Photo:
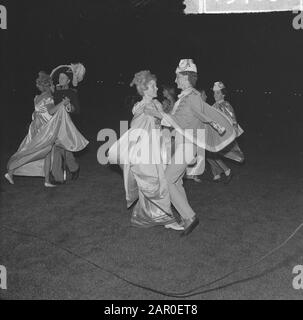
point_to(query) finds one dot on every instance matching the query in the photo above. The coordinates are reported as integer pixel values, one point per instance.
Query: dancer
(233, 151)
(49, 124)
(140, 153)
(190, 112)
(65, 164)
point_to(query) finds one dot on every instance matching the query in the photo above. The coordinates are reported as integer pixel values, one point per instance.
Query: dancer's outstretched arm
(198, 109)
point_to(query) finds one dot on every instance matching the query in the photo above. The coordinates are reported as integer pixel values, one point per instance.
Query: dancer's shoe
(49, 185)
(174, 226)
(189, 226)
(228, 178)
(192, 177)
(75, 174)
(9, 178)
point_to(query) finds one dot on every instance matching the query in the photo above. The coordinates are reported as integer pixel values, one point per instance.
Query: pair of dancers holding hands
(159, 185)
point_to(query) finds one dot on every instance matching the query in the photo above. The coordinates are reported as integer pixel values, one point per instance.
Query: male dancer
(59, 154)
(190, 112)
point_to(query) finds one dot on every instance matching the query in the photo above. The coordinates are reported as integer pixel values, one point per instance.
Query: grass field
(239, 222)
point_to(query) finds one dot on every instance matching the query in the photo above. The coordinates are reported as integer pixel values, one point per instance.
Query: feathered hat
(75, 72)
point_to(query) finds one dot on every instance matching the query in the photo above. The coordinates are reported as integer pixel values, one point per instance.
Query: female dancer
(233, 151)
(140, 152)
(49, 127)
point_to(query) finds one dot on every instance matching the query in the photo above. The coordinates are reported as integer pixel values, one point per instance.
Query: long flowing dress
(141, 152)
(45, 131)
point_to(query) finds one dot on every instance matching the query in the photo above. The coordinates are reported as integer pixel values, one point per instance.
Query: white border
(202, 9)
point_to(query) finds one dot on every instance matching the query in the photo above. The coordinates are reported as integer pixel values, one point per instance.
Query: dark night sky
(114, 40)
(112, 37)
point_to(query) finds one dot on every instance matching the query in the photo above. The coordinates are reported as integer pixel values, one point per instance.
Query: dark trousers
(62, 159)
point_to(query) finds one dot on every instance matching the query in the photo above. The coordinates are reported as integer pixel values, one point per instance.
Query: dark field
(239, 222)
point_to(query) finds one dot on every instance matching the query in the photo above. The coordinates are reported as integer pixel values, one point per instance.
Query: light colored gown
(44, 131)
(144, 181)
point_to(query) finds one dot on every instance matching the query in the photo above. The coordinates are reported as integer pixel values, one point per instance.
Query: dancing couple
(158, 185)
(51, 132)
